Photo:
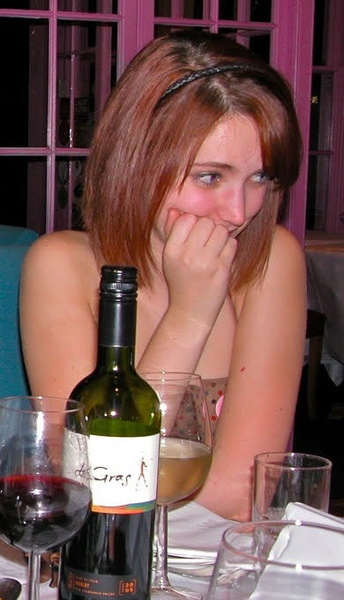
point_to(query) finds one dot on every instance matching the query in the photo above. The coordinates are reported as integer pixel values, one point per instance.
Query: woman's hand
(197, 261)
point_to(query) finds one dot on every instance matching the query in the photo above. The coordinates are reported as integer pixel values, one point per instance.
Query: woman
(189, 166)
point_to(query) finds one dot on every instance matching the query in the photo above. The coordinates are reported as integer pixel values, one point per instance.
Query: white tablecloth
(325, 275)
(13, 564)
(193, 531)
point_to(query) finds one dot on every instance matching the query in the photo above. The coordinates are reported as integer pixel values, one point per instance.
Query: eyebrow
(219, 165)
(216, 165)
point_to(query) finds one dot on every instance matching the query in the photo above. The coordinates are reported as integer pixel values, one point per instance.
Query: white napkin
(194, 535)
(321, 548)
(297, 510)
(12, 562)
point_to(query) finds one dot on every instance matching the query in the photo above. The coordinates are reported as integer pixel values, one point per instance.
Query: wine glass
(185, 458)
(44, 476)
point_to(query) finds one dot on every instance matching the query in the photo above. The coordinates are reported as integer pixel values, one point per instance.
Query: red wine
(41, 511)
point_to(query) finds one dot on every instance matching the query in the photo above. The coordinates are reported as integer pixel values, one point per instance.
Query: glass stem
(34, 575)
(161, 580)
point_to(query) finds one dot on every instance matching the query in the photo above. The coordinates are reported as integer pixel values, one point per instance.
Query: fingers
(172, 215)
(197, 233)
(179, 226)
(197, 260)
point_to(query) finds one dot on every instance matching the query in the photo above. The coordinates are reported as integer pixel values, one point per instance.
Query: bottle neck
(116, 332)
(115, 358)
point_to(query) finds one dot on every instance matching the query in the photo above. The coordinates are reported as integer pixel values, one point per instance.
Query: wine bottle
(112, 554)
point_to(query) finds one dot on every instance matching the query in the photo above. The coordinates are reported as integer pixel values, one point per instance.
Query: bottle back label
(94, 587)
(124, 472)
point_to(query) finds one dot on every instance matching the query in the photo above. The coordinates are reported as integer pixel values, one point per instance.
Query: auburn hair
(146, 142)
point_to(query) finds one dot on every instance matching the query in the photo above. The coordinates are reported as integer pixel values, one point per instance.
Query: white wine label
(124, 473)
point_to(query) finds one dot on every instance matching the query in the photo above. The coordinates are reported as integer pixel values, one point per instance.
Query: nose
(231, 207)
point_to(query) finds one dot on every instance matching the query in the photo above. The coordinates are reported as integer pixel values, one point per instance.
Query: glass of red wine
(44, 476)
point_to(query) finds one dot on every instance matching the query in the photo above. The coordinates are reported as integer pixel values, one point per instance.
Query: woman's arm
(263, 383)
(58, 284)
(196, 264)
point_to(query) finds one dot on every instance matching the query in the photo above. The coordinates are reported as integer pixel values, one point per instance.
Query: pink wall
(291, 30)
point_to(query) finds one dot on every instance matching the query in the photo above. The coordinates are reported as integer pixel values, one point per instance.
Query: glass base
(174, 593)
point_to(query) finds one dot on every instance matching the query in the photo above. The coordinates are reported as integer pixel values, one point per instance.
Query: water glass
(284, 477)
(279, 560)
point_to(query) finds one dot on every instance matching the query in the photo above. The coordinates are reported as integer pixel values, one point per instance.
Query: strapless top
(214, 390)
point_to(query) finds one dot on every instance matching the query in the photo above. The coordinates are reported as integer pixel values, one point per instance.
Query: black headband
(202, 73)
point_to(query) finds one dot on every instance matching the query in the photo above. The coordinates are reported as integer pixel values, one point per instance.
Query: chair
(315, 335)
(14, 243)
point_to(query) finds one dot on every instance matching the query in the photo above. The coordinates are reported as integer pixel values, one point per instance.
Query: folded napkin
(14, 564)
(194, 535)
(319, 547)
(297, 510)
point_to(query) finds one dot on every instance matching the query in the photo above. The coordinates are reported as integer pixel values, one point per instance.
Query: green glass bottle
(112, 554)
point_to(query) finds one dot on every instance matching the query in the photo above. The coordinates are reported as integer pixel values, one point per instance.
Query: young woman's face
(226, 182)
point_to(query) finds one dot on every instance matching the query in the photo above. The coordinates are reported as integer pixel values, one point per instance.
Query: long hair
(146, 141)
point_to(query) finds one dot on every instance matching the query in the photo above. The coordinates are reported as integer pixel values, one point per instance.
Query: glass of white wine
(185, 458)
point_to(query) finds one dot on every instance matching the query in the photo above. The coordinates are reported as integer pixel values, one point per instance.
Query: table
(192, 527)
(325, 279)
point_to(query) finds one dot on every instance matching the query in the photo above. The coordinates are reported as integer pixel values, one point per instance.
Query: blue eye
(260, 177)
(208, 178)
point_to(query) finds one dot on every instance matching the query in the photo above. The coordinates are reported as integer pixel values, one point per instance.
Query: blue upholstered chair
(14, 243)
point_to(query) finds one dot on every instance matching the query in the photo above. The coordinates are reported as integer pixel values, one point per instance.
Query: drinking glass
(283, 477)
(185, 458)
(279, 560)
(44, 476)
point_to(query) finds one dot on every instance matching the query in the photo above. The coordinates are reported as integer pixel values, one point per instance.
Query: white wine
(111, 556)
(183, 467)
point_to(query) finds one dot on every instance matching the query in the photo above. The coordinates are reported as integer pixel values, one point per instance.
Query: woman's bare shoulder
(62, 262)
(69, 250)
(285, 269)
(286, 264)
(60, 244)
(285, 242)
